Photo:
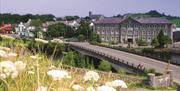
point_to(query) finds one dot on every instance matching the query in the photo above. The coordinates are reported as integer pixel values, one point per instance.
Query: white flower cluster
(42, 88)
(10, 69)
(58, 74)
(57, 41)
(77, 88)
(41, 40)
(117, 83)
(7, 37)
(4, 48)
(5, 54)
(91, 76)
(105, 88)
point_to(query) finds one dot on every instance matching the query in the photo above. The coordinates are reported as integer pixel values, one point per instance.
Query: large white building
(127, 30)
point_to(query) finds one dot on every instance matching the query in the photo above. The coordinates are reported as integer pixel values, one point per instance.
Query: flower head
(91, 75)
(5, 48)
(105, 88)
(8, 69)
(58, 74)
(41, 40)
(42, 88)
(20, 66)
(77, 88)
(117, 83)
(90, 89)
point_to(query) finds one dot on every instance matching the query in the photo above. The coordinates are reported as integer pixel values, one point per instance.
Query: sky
(82, 7)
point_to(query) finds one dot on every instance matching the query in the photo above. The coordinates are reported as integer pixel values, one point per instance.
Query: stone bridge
(126, 60)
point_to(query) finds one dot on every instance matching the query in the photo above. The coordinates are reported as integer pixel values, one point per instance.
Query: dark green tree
(141, 42)
(155, 42)
(104, 66)
(95, 38)
(81, 37)
(163, 39)
(84, 29)
(60, 29)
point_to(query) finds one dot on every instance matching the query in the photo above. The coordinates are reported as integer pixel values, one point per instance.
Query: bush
(81, 37)
(104, 66)
(141, 42)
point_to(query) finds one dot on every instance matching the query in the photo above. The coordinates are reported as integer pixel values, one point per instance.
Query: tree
(104, 66)
(141, 42)
(95, 38)
(163, 39)
(155, 42)
(84, 29)
(81, 37)
(60, 29)
(36, 23)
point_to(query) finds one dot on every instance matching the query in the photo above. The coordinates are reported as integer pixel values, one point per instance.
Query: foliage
(81, 37)
(155, 42)
(105, 66)
(36, 23)
(70, 18)
(84, 29)
(16, 18)
(163, 39)
(69, 59)
(96, 38)
(176, 21)
(141, 42)
(60, 29)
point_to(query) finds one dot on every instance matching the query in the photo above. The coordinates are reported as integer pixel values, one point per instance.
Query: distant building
(127, 30)
(95, 17)
(5, 28)
(176, 35)
(25, 30)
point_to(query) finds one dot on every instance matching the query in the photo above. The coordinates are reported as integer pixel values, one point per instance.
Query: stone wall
(163, 80)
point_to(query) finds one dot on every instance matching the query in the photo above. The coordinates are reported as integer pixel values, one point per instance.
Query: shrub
(104, 66)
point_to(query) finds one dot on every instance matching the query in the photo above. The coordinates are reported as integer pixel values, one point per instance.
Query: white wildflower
(20, 66)
(105, 88)
(58, 74)
(7, 37)
(77, 88)
(90, 89)
(33, 57)
(31, 72)
(56, 40)
(5, 48)
(42, 88)
(7, 69)
(41, 40)
(2, 53)
(91, 75)
(117, 83)
(11, 55)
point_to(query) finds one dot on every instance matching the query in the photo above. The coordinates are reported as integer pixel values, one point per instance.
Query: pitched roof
(153, 20)
(109, 20)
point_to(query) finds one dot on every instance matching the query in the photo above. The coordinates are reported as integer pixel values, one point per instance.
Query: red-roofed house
(5, 28)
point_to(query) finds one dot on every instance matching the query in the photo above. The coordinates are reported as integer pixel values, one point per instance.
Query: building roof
(153, 20)
(98, 16)
(109, 20)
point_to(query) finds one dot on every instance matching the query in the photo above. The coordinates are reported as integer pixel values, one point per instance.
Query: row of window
(131, 32)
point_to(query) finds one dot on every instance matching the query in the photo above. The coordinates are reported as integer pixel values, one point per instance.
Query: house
(5, 28)
(25, 29)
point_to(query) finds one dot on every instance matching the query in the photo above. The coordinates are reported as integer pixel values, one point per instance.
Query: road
(148, 63)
